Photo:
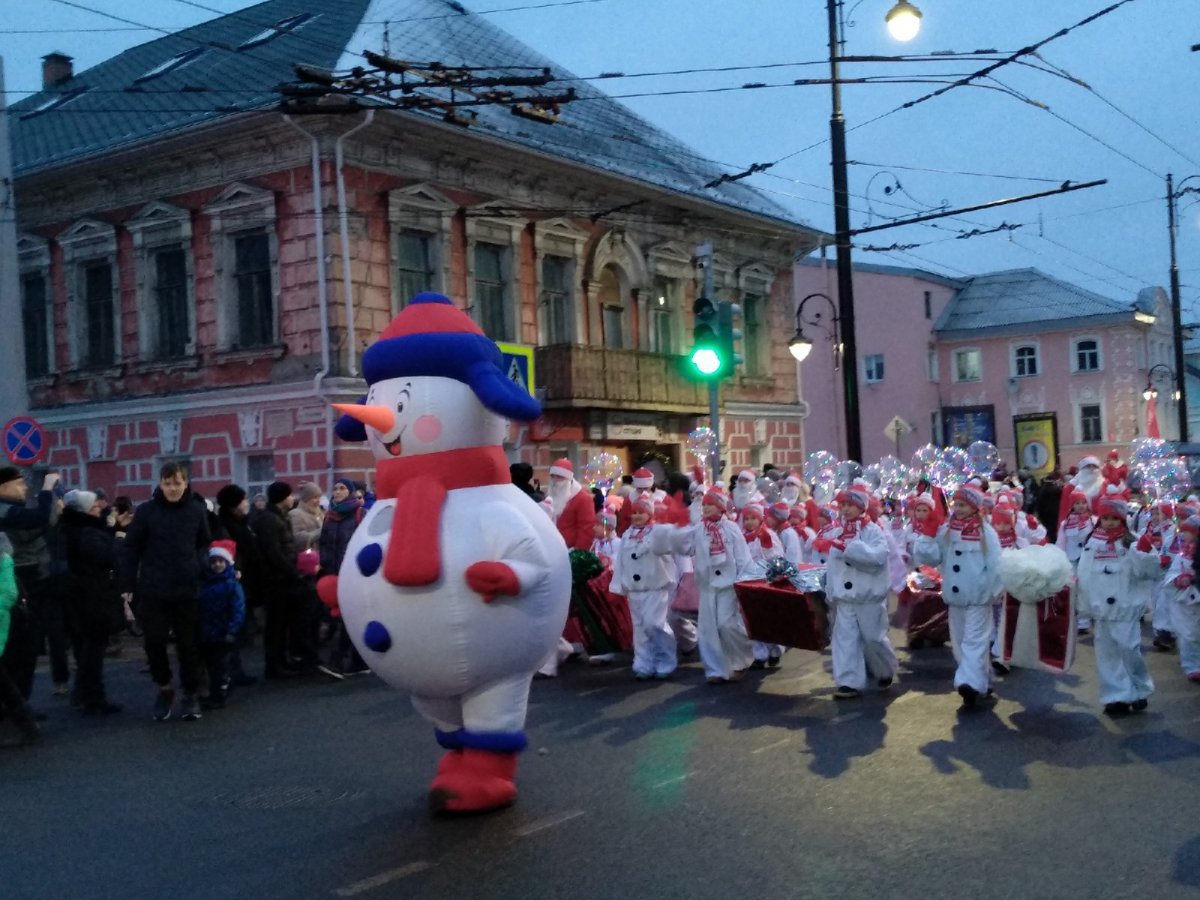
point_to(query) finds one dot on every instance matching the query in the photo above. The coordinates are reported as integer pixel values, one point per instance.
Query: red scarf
(716, 538)
(762, 533)
(1077, 521)
(1111, 537)
(850, 528)
(968, 529)
(1007, 538)
(420, 484)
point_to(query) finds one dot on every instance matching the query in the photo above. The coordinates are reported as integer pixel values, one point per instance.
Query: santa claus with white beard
(1087, 479)
(745, 491)
(572, 508)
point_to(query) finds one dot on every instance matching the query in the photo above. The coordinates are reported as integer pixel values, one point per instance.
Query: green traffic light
(706, 360)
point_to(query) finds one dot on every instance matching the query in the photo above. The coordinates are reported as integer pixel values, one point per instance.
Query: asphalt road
(764, 789)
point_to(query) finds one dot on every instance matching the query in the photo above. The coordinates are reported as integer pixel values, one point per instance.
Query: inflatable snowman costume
(455, 585)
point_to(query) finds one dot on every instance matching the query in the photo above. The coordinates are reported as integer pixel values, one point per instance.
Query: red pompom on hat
(643, 479)
(1113, 454)
(925, 500)
(781, 512)
(225, 550)
(563, 468)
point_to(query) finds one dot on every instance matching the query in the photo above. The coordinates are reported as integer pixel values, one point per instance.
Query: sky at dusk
(1111, 99)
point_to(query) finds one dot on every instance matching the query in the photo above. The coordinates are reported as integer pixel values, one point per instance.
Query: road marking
(369, 884)
(548, 823)
(786, 740)
(675, 780)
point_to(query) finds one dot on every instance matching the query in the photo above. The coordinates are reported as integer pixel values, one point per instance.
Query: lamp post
(800, 346)
(1174, 194)
(903, 21)
(1150, 395)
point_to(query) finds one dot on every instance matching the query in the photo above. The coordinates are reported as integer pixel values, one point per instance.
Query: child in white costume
(778, 520)
(1004, 520)
(967, 552)
(856, 583)
(798, 519)
(721, 559)
(605, 541)
(1160, 529)
(1072, 532)
(644, 571)
(1183, 594)
(1114, 583)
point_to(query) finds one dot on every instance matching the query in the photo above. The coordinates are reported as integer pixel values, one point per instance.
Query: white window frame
(868, 374)
(160, 226)
(1014, 361)
(1078, 416)
(238, 210)
(933, 365)
(86, 242)
(1075, 342)
(756, 279)
(504, 232)
(33, 258)
(420, 207)
(672, 261)
(562, 238)
(954, 355)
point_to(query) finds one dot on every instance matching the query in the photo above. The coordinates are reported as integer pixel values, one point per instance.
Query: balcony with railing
(579, 376)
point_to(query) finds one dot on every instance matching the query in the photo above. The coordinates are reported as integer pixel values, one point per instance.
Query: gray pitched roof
(120, 103)
(1019, 299)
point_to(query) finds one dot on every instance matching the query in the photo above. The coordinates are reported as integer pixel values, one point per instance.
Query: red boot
(478, 781)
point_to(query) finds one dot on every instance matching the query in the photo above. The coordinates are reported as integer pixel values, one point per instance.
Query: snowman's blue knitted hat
(431, 336)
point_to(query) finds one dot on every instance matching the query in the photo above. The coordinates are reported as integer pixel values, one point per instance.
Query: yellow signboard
(1037, 443)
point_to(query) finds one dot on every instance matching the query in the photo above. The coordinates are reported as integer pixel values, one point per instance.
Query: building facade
(200, 285)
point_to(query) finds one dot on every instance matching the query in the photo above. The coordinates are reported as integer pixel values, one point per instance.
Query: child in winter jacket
(1183, 595)
(644, 571)
(1114, 583)
(856, 584)
(222, 612)
(1072, 533)
(12, 704)
(967, 552)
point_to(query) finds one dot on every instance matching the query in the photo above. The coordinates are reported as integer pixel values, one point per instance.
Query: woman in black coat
(345, 512)
(93, 603)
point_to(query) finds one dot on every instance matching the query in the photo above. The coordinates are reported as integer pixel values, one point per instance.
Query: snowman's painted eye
(401, 399)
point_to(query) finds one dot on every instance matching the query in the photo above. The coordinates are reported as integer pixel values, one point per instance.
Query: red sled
(780, 614)
(1039, 635)
(928, 620)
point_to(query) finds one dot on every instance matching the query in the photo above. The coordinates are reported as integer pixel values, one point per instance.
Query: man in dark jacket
(165, 554)
(278, 579)
(27, 528)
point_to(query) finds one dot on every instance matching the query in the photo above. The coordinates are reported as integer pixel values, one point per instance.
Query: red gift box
(1039, 635)
(780, 614)
(928, 622)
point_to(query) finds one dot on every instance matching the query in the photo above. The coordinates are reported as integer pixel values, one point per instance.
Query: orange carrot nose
(380, 418)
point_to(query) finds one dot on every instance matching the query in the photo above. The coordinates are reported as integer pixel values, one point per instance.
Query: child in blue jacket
(222, 612)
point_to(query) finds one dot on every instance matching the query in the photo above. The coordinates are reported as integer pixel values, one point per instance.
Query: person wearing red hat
(641, 484)
(644, 572)
(1114, 581)
(721, 558)
(856, 583)
(222, 613)
(967, 552)
(574, 511)
(1073, 530)
(764, 545)
(1160, 529)
(745, 491)
(779, 520)
(1183, 595)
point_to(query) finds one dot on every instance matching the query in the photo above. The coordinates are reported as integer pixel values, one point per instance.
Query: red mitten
(1032, 521)
(822, 545)
(838, 545)
(1185, 580)
(327, 591)
(676, 514)
(1164, 561)
(1144, 544)
(491, 579)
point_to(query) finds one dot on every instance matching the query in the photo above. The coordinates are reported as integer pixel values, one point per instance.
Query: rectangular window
(260, 472)
(491, 291)
(171, 297)
(37, 325)
(1087, 356)
(252, 278)
(414, 268)
(754, 320)
(967, 365)
(99, 340)
(1090, 426)
(931, 363)
(614, 333)
(873, 368)
(664, 301)
(928, 305)
(556, 295)
(1025, 361)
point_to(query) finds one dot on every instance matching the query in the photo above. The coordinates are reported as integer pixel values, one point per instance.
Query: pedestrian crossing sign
(517, 362)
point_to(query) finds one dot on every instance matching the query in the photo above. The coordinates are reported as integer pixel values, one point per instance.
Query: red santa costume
(574, 509)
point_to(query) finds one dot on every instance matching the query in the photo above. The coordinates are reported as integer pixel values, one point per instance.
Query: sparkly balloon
(952, 469)
(769, 489)
(873, 476)
(847, 471)
(701, 442)
(1144, 449)
(924, 459)
(602, 470)
(818, 462)
(984, 457)
(1175, 480)
(824, 487)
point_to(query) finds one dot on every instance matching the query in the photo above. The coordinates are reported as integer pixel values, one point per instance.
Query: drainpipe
(322, 295)
(343, 222)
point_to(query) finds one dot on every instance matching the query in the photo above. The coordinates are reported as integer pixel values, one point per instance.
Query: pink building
(1045, 370)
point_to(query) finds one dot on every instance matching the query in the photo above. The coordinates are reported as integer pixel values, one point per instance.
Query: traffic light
(728, 334)
(706, 358)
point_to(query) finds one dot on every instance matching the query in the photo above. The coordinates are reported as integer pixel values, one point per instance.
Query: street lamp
(1151, 391)
(1174, 194)
(800, 346)
(905, 19)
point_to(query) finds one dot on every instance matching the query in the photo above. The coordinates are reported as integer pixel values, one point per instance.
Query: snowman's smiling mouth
(394, 447)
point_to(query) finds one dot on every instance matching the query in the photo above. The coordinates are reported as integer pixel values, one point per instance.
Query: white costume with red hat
(856, 584)
(574, 508)
(1183, 594)
(644, 572)
(1113, 589)
(454, 586)
(967, 552)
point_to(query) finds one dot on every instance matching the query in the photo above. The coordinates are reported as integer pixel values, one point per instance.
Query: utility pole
(1177, 316)
(14, 396)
